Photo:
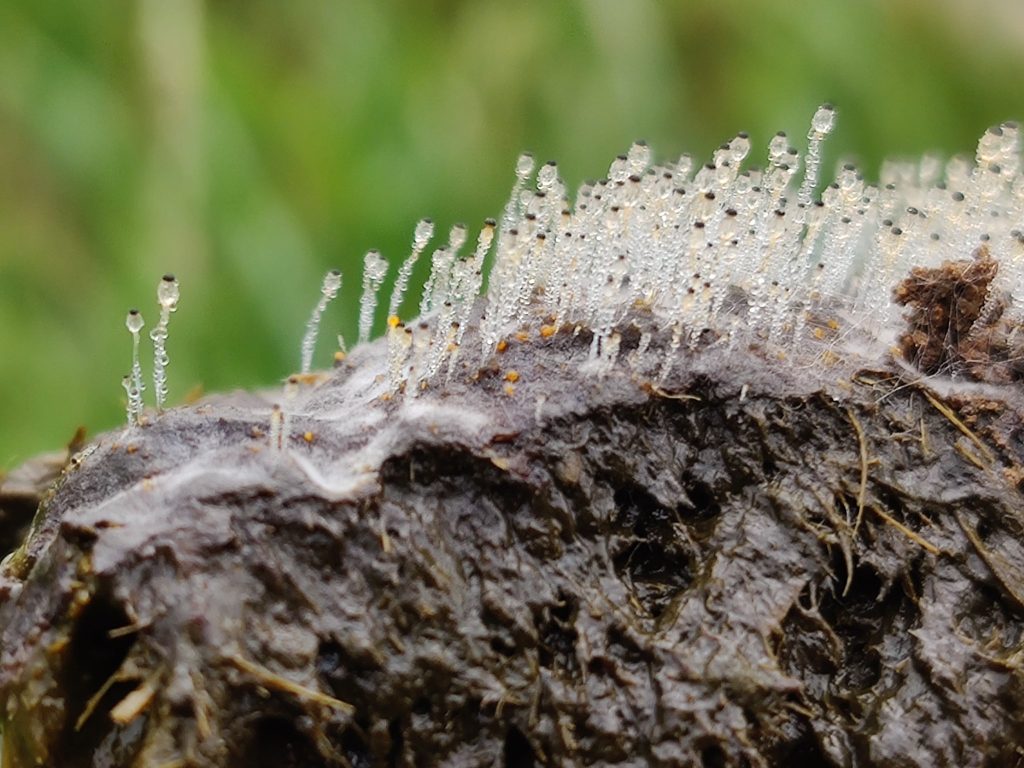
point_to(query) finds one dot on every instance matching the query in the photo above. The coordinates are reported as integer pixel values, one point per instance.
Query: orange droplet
(309, 379)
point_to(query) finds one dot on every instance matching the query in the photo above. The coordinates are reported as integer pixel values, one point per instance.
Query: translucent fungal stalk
(513, 209)
(483, 245)
(440, 263)
(822, 124)
(399, 343)
(329, 289)
(167, 296)
(374, 270)
(126, 382)
(424, 231)
(291, 392)
(656, 263)
(443, 283)
(468, 287)
(134, 385)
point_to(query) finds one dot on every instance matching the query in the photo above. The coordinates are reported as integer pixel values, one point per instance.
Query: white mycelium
(678, 252)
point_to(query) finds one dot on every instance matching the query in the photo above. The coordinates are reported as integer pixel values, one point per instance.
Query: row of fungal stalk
(677, 249)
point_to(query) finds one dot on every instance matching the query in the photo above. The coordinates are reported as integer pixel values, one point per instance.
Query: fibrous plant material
(684, 498)
(956, 323)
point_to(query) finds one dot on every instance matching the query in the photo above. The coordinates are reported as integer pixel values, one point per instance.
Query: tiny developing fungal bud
(547, 176)
(291, 392)
(824, 120)
(167, 293)
(524, 166)
(513, 210)
(457, 238)
(638, 157)
(399, 343)
(167, 296)
(374, 270)
(329, 289)
(777, 147)
(276, 428)
(134, 321)
(483, 244)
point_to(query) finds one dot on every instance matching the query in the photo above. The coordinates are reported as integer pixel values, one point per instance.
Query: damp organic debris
(712, 472)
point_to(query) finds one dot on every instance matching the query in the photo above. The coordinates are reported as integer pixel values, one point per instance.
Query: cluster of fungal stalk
(167, 294)
(679, 249)
(674, 251)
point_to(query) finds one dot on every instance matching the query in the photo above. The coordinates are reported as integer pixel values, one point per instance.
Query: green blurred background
(249, 146)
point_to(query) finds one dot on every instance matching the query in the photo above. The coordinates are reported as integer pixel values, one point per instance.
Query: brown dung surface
(749, 564)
